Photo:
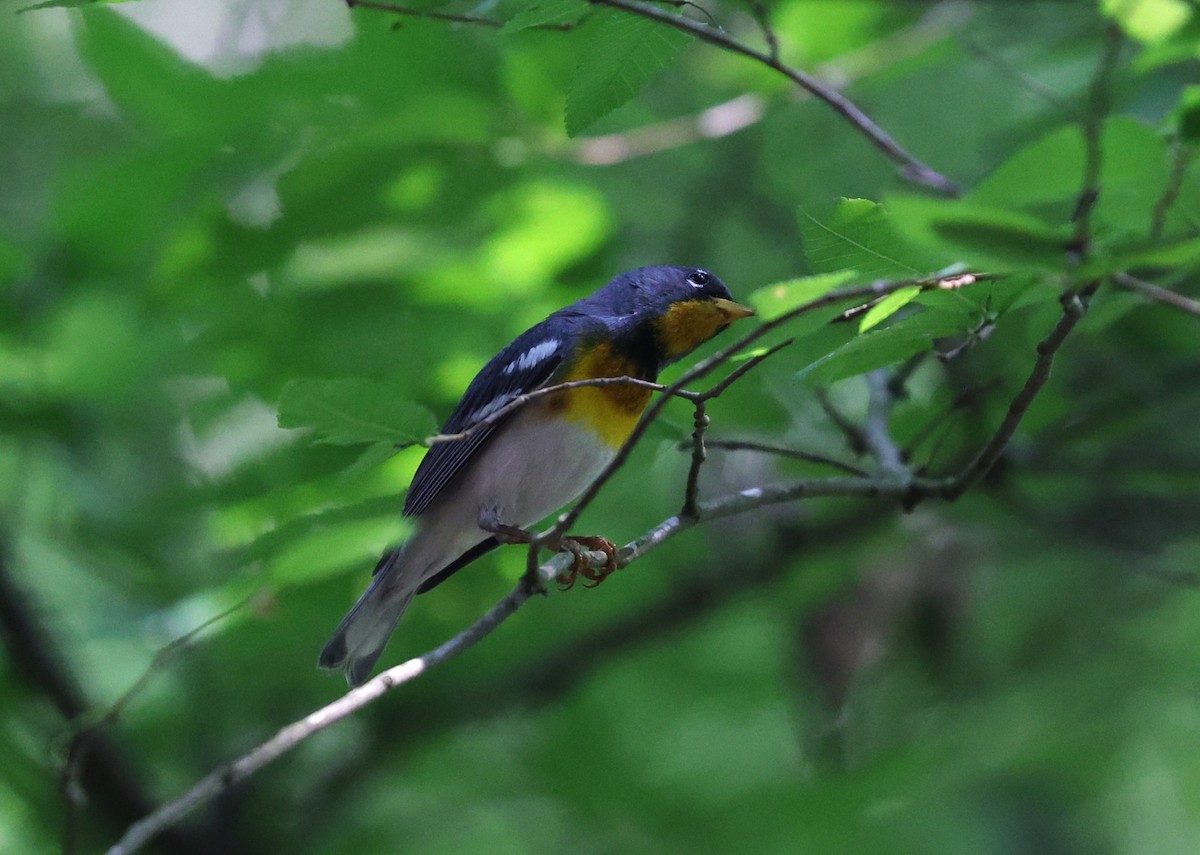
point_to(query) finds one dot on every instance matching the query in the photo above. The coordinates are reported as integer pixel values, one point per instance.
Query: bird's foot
(579, 546)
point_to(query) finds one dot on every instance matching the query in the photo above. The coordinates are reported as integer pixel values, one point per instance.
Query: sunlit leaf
(859, 235)
(774, 300)
(888, 306)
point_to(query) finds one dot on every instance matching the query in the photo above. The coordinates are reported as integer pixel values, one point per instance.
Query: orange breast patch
(609, 411)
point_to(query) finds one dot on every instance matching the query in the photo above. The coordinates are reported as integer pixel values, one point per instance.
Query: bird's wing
(523, 366)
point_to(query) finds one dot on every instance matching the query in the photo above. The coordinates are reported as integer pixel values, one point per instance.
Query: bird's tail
(363, 634)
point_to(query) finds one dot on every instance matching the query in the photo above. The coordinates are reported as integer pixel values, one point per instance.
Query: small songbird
(513, 472)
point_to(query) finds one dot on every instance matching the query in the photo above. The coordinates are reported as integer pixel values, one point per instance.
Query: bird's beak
(735, 311)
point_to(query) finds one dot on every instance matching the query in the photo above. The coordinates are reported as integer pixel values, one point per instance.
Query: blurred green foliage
(218, 219)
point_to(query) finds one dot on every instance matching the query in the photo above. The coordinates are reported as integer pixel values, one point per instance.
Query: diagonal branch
(1074, 308)
(1157, 292)
(876, 433)
(706, 366)
(911, 168)
(229, 774)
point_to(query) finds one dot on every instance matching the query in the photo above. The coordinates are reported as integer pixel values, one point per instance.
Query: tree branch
(749, 499)
(911, 168)
(1074, 308)
(1181, 157)
(701, 423)
(875, 433)
(1157, 292)
(796, 454)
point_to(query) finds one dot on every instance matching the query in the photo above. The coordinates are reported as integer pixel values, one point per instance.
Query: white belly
(530, 469)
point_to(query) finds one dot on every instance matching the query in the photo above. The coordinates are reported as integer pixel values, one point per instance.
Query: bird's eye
(698, 279)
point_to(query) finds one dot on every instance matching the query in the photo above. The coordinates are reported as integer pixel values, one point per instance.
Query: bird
(501, 476)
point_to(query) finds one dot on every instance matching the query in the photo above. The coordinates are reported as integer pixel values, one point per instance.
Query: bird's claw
(579, 546)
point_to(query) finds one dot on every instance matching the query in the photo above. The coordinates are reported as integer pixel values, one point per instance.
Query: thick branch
(876, 433)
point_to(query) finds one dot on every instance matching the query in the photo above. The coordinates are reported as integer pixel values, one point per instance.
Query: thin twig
(1181, 156)
(852, 433)
(749, 499)
(912, 168)
(1157, 292)
(898, 382)
(1074, 308)
(229, 774)
(1099, 103)
(701, 422)
(741, 371)
(706, 366)
(763, 18)
(780, 451)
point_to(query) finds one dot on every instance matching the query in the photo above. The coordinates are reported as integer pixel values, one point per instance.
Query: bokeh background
(202, 202)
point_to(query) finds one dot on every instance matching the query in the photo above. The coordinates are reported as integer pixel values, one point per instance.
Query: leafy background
(222, 218)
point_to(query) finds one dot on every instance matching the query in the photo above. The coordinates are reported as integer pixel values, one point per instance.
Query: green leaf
(1048, 170)
(992, 239)
(888, 306)
(546, 12)
(348, 412)
(1186, 115)
(880, 348)
(774, 300)
(1184, 254)
(149, 80)
(860, 235)
(622, 55)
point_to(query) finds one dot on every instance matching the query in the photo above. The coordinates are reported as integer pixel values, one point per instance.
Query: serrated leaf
(549, 12)
(774, 300)
(880, 348)
(859, 235)
(888, 306)
(352, 411)
(622, 55)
